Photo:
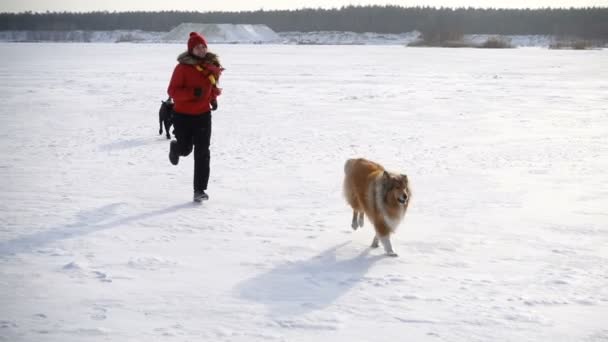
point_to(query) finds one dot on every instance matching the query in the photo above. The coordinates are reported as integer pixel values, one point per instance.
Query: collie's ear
(404, 177)
(386, 178)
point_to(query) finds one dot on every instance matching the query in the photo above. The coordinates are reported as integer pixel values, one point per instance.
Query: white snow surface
(506, 238)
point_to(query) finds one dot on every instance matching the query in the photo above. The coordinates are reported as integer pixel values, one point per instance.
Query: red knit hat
(194, 40)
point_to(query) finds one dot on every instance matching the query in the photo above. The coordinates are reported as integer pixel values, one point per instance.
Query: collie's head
(397, 190)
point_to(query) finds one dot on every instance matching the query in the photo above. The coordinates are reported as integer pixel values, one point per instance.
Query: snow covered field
(506, 238)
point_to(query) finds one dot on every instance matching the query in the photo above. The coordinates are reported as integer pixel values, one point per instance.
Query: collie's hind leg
(354, 224)
(388, 247)
(360, 220)
(375, 242)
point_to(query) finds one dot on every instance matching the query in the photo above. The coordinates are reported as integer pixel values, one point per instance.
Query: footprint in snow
(102, 276)
(99, 314)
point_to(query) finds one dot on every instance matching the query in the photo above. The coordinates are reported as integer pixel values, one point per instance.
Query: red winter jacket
(191, 73)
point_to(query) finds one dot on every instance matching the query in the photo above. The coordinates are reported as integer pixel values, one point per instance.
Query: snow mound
(348, 38)
(515, 40)
(74, 265)
(116, 36)
(223, 33)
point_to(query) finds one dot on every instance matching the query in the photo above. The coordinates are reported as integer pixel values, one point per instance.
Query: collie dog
(381, 195)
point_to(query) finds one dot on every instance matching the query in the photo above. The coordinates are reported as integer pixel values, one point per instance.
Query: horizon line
(310, 8)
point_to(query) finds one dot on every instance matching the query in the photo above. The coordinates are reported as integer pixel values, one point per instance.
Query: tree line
(589, 22)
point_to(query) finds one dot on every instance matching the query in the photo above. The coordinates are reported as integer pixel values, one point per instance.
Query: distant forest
(582, 22)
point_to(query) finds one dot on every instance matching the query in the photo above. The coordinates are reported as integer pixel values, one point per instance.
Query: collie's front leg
(388, 247)
(360, 221)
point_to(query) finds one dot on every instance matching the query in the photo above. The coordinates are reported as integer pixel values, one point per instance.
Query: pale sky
(245, 5)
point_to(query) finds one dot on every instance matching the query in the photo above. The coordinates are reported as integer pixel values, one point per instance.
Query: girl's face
(200, 50)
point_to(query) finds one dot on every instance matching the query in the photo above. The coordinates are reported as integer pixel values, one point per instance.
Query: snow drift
(223, 33)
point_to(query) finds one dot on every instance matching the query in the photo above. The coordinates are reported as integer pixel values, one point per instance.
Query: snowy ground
(506, 238)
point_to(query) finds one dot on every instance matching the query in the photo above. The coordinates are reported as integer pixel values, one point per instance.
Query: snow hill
(223, 33)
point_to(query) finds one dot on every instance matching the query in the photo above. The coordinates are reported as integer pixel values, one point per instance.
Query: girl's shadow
(303, 286)
(86, 222)
(131, 143)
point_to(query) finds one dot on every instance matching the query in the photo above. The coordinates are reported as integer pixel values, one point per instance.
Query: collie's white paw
(388, 247)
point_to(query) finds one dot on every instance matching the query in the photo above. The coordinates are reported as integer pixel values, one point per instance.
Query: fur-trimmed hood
(210, 58)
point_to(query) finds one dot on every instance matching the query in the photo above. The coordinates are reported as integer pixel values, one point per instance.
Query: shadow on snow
(86, 222)
(133, 143)
(308, 285)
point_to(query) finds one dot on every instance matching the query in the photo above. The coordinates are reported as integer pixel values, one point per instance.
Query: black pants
(195, 131)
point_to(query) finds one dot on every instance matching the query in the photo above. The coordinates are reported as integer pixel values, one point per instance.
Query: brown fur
(375, 192)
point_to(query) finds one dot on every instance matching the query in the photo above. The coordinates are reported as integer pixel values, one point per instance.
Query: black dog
(165, 116)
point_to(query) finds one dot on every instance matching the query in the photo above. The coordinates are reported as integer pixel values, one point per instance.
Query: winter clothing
(173, 152)
(194, 89)
(194, 83)
(194, 40)
(193, 131)
(200, 196)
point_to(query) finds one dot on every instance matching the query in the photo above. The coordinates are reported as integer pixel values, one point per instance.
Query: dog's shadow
(299, 287)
